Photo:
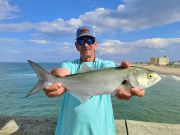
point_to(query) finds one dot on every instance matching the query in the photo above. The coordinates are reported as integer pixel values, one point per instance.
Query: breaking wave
(176, 78)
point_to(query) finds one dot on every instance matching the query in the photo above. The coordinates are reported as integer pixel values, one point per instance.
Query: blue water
(161, 102)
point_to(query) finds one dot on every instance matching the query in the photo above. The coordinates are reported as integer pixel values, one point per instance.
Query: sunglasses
(89, 41)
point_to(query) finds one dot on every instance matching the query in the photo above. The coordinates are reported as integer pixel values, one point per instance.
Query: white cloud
(110, 49)
(39, 41)
(7, 10)
(156, 43)
(141, 14)
(17, 27)
(135, 14)
(58, 26)
(128, 16)
(13, 41)
(114, 47)
(9, 41)
(107, 46)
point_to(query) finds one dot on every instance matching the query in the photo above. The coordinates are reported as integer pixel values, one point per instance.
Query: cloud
(58, 26)
(107, 46)
(55, 44)
(9, 41)
(17, 27)
(156, 43)
(7, 10)
(141, 49)
(39, 41)
(35, 49)
(114, 47)
(134, 15)
(141, 14)
(129, 16)
(54, 28)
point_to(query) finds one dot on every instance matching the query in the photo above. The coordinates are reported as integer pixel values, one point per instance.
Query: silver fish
(87, 83)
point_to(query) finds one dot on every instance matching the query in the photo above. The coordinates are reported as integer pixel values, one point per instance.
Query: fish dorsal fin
(84, 68)
(81, 98)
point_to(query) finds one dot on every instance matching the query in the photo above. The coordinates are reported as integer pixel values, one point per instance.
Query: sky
(45, 30)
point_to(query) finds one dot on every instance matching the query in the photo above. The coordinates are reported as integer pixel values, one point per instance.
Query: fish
(87, 82)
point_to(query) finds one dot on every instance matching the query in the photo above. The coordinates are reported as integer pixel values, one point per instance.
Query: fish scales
(89, 83)
(93, 82)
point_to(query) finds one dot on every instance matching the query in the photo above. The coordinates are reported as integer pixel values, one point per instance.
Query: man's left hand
(124, 94)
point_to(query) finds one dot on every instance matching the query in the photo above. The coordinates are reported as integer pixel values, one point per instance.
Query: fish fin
(10, 127)
(125, 85)
(84, 68)
(36, 88)
(43, 76)
(81, 98)
(132, 78)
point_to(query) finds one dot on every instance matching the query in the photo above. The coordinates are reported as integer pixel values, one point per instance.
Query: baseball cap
(85, 31)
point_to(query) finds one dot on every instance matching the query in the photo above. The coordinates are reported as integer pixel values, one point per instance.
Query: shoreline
(165, 70)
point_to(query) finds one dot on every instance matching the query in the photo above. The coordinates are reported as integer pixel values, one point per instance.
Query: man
(94, 117)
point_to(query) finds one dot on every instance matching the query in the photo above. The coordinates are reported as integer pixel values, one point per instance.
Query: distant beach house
(159, 60)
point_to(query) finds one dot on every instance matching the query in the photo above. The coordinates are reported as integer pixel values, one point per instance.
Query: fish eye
(150, 75)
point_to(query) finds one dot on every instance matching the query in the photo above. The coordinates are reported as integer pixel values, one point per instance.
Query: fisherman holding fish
(95, 116)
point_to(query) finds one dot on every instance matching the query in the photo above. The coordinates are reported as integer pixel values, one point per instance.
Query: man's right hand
(56, 89)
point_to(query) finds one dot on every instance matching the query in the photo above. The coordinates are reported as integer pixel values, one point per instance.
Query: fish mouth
(158, 78)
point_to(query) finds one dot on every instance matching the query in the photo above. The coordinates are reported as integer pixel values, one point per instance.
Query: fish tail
(43, 76)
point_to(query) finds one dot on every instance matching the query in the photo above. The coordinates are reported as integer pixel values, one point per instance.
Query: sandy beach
(162, 69)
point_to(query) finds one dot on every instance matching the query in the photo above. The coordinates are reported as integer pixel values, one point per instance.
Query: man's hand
(137, 92)
(123, 93)
(56, 89)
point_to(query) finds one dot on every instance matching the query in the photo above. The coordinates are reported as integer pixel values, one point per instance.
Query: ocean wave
(176, 78)
(164, 76)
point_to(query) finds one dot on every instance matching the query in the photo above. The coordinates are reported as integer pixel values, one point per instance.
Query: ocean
(161, 102)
